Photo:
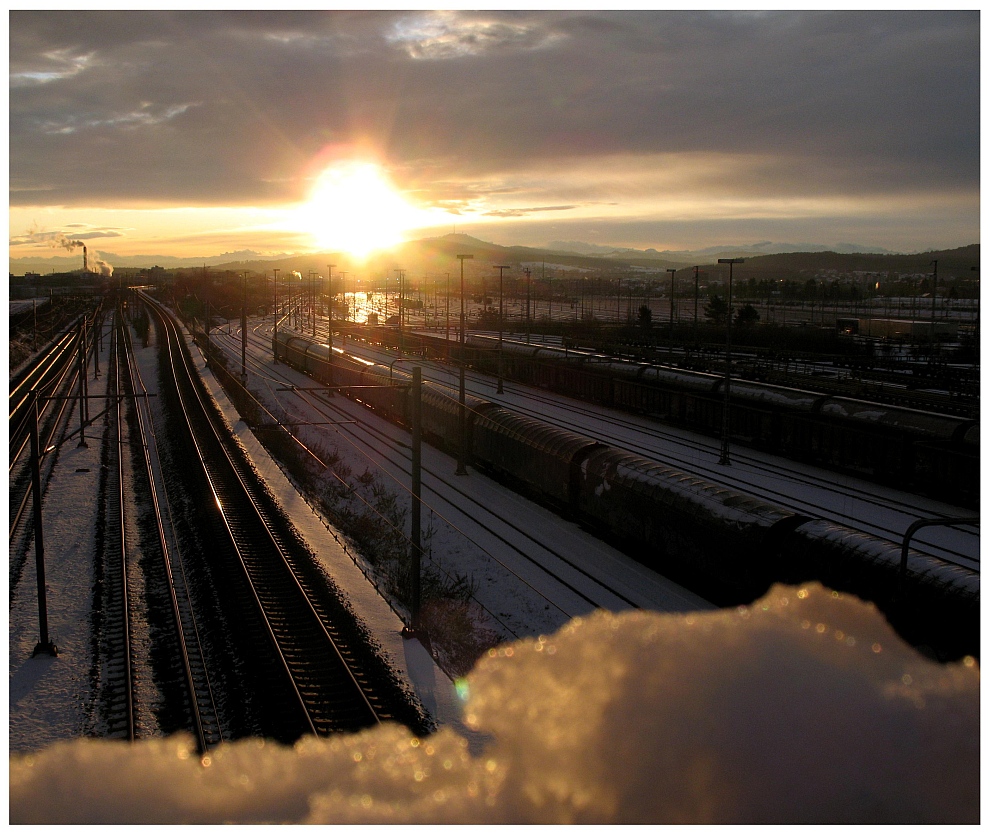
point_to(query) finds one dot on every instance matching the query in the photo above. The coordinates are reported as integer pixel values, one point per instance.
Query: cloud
(146, 115)
(58, 237)
(232, 108)
(525, 212)
(55, 65)
(441, 35)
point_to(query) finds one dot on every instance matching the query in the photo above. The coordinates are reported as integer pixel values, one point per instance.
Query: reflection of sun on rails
(352, 207)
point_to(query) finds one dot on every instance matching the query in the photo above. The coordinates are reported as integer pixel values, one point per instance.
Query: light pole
(696, 306)
(402, 303)
(501, 313)
(672, 273)
(244, 329)
(934, 292)
(330, 294)
(275, 320)
(461, 451)
(447, 335)
(724, 457)
(976, 327)
(343, 295)
(529, 284)
(312, 301)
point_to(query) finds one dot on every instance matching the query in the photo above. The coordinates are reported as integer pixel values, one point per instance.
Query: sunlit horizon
(354, 208)
(301, 132)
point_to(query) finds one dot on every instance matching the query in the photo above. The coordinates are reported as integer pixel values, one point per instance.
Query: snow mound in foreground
(803, 707)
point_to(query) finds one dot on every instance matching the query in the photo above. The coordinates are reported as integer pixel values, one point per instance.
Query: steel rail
(464, 496)
(125, 594)
(133, 382)
(249, 565)
(53, 379)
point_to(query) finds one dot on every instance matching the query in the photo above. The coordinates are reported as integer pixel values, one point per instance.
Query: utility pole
(462, 444)
(330, 298)
(82, 389)
(45, 645)
(976, 327)
(244, 330)
(696, 307)
(402, 274)
(447, 335)
(85, 366)
(672, 273)
(417, 435)
(724, 456)
(529, 285)
(501, 314)
(275, 320)
(312, 300)
(98, 345)
(934, 292)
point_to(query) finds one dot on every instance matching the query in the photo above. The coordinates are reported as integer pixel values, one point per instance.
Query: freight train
(928, 453)
(726, 546)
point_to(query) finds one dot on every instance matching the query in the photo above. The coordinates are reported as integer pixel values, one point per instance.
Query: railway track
(48, 368)
(113, 603)
(54, 379)
(199, 711)
(528, 550)
(315, 677)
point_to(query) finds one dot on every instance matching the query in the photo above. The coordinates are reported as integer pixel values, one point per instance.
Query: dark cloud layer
(115, 108)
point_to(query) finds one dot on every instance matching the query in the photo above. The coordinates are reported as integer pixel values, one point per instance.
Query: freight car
(930, 453)
(726, 545)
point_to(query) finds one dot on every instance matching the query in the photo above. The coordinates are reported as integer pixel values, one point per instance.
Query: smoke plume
(61, 240)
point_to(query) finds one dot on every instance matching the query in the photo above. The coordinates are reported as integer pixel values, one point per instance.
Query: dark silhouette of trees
(747, 316)
(645, 317)
(716, 310)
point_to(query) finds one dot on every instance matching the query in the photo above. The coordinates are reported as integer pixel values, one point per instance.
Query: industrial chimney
(85, 259)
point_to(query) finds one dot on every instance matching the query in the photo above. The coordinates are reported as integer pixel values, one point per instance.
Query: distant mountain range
(765, 247)
(63, 263)
(433, 256)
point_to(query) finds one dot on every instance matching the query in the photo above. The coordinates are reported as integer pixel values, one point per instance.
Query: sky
(198, 133)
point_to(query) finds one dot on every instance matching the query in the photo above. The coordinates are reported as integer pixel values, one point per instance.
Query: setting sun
(354, 208)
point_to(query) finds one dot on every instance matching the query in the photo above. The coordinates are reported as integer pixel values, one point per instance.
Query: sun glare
(354, 208)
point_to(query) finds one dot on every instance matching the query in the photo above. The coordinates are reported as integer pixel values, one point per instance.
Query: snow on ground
(407, 656)
(48, 695)
(19, 305)
(465, 517)
(804, 707)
